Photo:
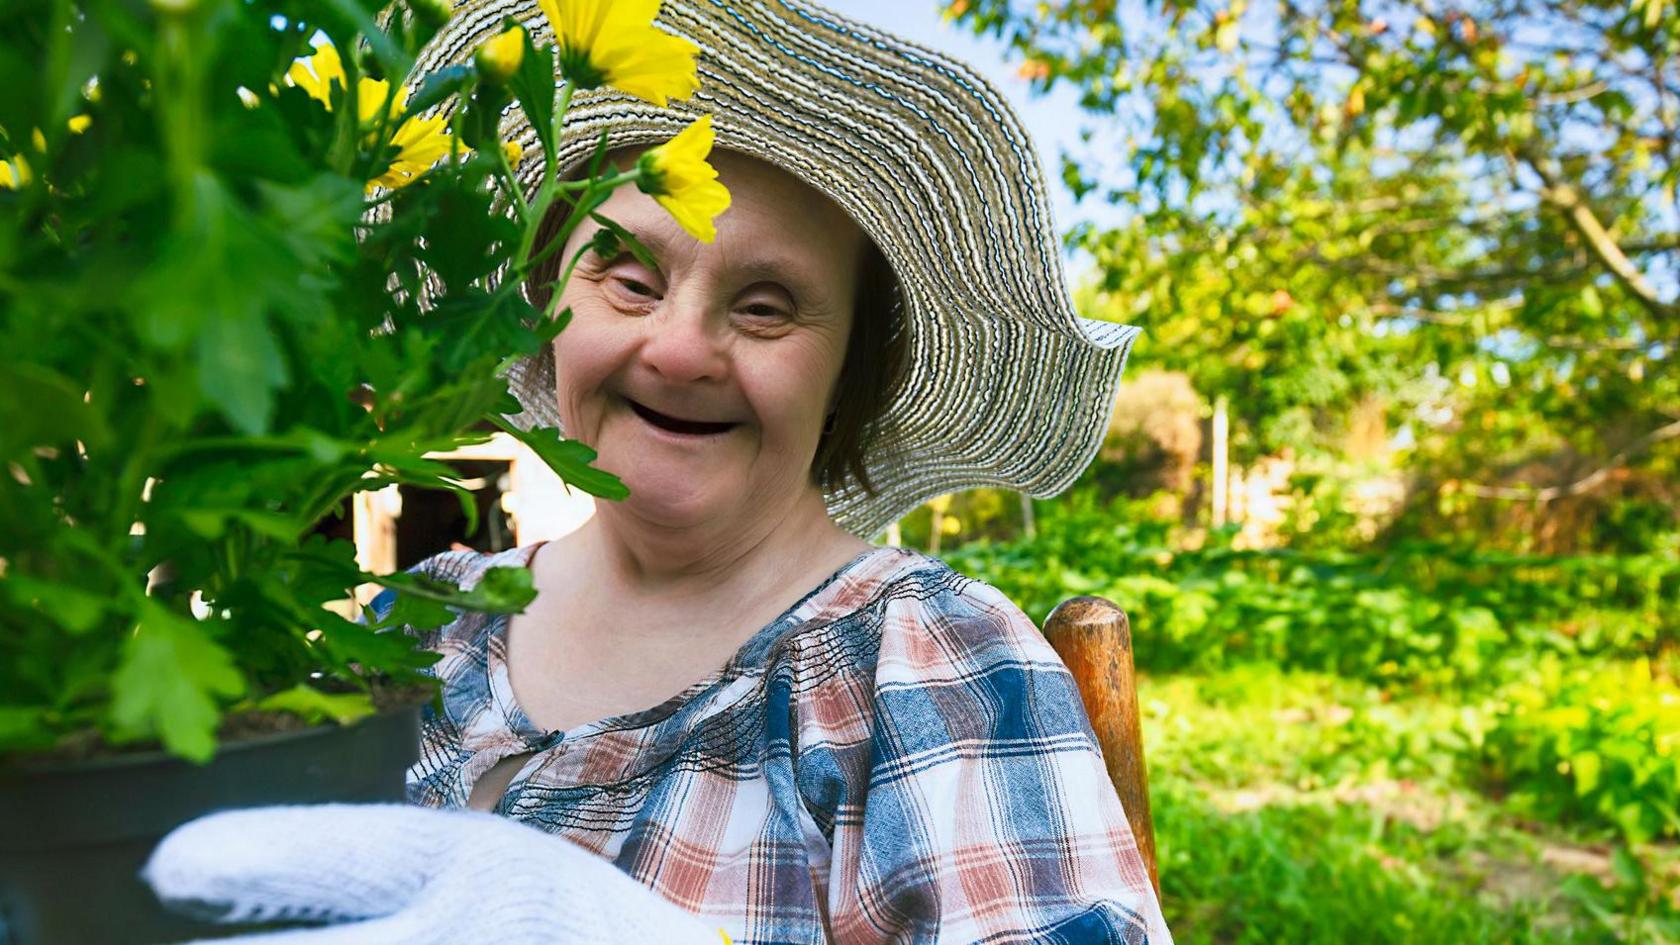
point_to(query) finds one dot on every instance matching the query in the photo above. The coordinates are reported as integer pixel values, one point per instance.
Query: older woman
(721, 688)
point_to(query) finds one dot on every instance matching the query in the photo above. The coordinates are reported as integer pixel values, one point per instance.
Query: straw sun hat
(1006, 385)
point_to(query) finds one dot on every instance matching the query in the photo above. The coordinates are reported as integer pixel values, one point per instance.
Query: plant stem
(545, 192)
(505, 170)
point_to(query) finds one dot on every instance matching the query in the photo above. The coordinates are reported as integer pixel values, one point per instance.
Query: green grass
(1306, 808)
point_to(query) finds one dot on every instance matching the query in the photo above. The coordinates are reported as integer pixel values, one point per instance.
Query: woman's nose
(684, 345)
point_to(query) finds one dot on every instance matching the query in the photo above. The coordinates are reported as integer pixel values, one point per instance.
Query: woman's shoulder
(922, 609)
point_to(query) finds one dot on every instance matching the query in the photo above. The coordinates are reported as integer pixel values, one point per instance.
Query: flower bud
(432, 13)
(499, 58)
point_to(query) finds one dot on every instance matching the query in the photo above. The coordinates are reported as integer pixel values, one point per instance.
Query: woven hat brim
(1007, 386)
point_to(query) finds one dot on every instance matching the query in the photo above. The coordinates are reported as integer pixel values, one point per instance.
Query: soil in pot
(74, 834)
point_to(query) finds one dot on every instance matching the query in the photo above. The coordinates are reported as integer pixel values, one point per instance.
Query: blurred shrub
(1412, 613)
(970, 515)
(1598, 744)
(1154, 435)
(1253, 725)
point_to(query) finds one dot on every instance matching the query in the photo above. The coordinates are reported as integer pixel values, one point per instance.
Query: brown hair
(869, 377)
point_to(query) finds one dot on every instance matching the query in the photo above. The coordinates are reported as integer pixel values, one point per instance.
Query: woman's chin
(676, 501)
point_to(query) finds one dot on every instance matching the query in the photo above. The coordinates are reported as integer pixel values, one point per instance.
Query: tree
(1467, 210)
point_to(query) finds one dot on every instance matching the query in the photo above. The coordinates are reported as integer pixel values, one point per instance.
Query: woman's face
(704, 382)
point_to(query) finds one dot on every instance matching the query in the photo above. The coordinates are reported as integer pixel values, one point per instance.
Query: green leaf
(1587, 765)
(169, 682)
(417, 612)
(438, 86)
(23, 728)
(45, 408)
(211, 523)
(533, 85)
(462, 239)
(504, 590)
(1630, 873)
(314, 706)
(499, 591)
(570, 460)
(239, 367)
(371, 649)
(69, 606)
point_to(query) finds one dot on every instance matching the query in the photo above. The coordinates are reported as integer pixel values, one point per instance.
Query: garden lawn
(1308, 808)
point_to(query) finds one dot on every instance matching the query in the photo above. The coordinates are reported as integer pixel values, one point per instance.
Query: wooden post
(895, 535)
(937, 506)
(1094, 638)
(1221, 455)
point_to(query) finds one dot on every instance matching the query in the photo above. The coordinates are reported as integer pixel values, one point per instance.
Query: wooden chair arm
(1094, 638)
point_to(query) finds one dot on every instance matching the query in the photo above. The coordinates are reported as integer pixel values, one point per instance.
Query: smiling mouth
(676, 425)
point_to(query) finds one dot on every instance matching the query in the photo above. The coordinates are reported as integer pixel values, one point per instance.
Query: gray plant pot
(73, 836)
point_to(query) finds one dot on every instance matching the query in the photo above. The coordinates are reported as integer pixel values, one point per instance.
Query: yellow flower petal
(38, 139)
(317, 74)
(677, 175)
(420, 142)
(370, 98)
(14, 173)
(614, 42)
(513, 152)
(79, 123)
(657, 68)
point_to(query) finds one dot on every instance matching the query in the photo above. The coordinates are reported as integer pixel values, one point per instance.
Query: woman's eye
(763, 310)
(636, 287)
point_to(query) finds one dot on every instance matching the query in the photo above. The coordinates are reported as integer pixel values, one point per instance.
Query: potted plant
(246, 272)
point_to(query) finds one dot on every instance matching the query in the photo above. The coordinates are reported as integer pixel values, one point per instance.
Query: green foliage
(1462, 212)
(1317, 874)
(1415, 613)
(1307, 807)
(218, 329)
(1594, 743)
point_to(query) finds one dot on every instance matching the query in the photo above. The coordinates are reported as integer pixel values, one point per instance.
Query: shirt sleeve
(984, 812)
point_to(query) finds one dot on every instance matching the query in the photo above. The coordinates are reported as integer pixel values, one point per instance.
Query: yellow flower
(499, 58)
(513, 152)
(677, 175)
(79, 123)
(614, 42)
(14, 173)
(317, 74)
(419, 141)
(320, 72)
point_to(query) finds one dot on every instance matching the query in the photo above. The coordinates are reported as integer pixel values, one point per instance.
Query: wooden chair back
(1094, 638)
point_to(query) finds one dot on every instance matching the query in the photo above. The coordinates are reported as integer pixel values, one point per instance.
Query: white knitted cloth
(388, 874)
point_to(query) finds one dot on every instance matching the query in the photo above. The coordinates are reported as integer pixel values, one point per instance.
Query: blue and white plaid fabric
(899, 757)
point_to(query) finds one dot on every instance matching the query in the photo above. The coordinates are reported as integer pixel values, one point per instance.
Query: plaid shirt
(899, 757)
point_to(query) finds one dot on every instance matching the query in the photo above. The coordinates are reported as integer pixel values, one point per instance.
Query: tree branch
(1563, 195)
(1584, 484)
